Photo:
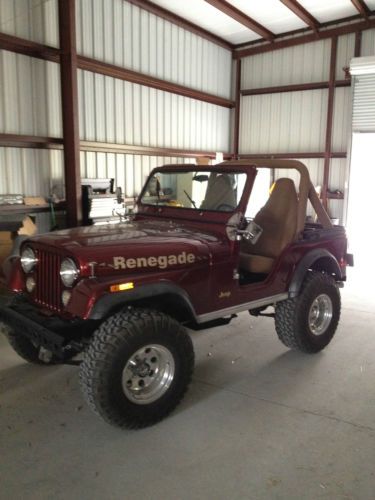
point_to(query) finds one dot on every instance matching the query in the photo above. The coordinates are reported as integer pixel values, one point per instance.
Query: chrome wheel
(320, 314)
(148, 374)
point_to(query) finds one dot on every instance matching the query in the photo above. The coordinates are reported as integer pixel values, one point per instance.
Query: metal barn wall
(300, 64)
(283, 122)
(337, 179)
(32, 172)
(110, 110)
(120, 33)
(368, 43)
(30, 101)
(115, 111)
(130, 171)
(296, 121)
(34, 20)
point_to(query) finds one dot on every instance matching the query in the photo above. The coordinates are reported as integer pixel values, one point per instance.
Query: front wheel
(137, 368)
(28, 351)
(308, 322)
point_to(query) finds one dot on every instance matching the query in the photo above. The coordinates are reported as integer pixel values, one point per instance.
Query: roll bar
(306, 188)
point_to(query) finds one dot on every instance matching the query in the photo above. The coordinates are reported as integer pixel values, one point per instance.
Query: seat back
(220, 194)
(278, 219)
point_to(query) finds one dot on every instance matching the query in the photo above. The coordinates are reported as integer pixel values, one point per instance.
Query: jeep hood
(144, 238)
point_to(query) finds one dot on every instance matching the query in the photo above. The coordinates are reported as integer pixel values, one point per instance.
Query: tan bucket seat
(278, 219)
(220, 194)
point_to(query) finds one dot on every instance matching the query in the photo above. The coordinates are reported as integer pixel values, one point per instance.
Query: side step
(211, 324)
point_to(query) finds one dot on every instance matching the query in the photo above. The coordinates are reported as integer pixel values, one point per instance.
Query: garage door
(362, 70)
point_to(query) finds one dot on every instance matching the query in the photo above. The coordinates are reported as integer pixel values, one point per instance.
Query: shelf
(30, 209)
(335, 196)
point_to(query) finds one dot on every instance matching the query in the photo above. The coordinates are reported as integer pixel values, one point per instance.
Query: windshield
(196, 190)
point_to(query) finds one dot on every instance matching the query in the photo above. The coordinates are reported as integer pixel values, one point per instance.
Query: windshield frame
(173, 211)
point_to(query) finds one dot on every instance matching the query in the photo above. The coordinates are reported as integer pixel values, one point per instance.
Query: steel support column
(69, 95)
(237, 111)
(330, 108)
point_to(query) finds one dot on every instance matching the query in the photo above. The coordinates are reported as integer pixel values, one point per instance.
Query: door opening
(361, 202)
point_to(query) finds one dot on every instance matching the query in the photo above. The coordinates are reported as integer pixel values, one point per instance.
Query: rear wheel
(308, 322)
(137, 368)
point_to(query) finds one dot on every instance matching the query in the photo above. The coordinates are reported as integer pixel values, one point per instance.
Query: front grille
(48, 284)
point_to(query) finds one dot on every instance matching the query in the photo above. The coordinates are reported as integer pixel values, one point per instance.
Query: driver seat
(278, 219)
(220, 193)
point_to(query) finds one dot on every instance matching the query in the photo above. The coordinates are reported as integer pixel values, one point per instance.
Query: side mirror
(251, 233)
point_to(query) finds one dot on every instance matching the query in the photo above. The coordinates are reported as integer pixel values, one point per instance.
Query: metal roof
(243, 21)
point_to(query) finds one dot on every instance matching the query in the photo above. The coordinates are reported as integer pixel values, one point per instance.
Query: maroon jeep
(189, 257)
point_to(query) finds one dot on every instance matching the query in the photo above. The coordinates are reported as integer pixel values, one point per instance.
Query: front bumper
(55, 334)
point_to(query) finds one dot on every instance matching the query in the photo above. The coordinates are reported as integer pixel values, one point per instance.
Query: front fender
(110, 301)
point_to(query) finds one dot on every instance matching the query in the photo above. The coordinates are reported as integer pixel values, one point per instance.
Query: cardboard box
(34, 200)
(6, 245)
(28, 227)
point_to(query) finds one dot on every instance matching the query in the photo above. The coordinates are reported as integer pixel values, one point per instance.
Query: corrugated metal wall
(336, 181)
(30, 100)
(120, 33)
(283, 122)
(130, 170)
(110, 110)
(368, 43)
(299, 64)
(34, 20)
(296, 121)
(115, 111)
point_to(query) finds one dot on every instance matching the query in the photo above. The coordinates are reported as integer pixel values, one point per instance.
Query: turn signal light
(122, 287)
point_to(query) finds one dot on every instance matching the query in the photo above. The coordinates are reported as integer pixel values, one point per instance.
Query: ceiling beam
(242, 18)
(302, 13)
(180, 21)
(261, 48)
(362, 8)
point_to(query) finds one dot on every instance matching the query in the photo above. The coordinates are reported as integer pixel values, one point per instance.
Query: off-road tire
(26, 349)
(292, 315)
(113, 345)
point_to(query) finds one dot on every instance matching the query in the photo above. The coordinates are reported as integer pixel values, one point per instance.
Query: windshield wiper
(190, 199)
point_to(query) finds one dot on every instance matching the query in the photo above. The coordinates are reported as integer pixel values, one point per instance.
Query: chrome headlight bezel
(28, 259)
(69, 272)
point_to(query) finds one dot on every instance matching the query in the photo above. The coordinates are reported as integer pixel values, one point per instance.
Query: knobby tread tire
(291, 315)
(112, 345)
(24, 348)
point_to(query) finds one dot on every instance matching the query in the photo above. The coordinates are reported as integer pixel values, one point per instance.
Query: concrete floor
(258, 422)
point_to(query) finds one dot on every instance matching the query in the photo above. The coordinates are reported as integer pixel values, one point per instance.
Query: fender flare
(305, 264)
(109, 301)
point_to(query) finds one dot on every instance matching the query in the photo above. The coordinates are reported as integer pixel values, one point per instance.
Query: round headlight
(68, 272)
(28, 259)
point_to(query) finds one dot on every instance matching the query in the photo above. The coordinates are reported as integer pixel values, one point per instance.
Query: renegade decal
(162, 261)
